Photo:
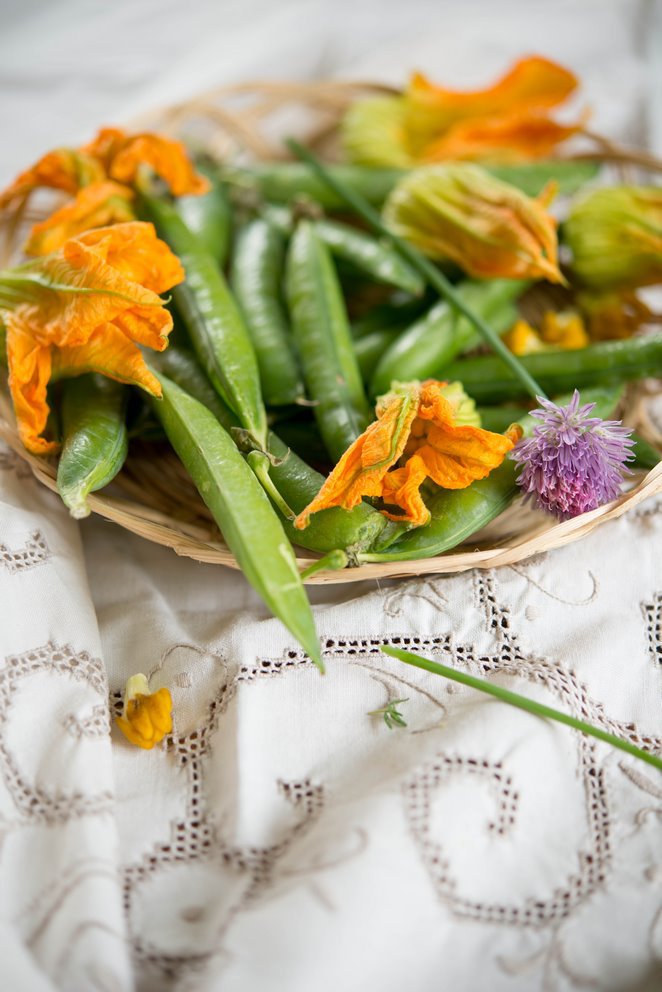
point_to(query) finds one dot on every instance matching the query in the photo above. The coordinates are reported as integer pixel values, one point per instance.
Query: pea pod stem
(432, 275)
(522, 703)
(332, 560)
(259, 463)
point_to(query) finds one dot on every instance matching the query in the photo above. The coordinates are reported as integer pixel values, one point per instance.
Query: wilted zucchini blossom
(424, 430)
(616, 237)
(508, 121)
(147, 716)
(489, 228)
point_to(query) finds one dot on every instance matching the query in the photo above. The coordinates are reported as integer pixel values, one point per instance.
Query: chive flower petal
(573, 462)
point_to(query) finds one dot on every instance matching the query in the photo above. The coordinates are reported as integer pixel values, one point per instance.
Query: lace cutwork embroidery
(35, 551)
(32, 800)
(653, 617)
(196, 838)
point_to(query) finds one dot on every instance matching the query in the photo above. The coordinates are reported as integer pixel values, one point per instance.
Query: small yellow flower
(522, 339)
(564, 330)
(147, 716)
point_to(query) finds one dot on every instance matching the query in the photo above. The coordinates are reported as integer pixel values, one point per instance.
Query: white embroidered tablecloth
(284, 840)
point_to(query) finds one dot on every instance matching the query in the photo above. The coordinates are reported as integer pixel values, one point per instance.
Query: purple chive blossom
(572, 463)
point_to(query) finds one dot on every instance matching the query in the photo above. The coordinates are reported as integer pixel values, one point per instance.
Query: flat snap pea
(257, 267)
(488, 380)
(424, 349)
(209, 216)
(456, 514)
(94, 438)
(214, 323)
(240, 507)
(283, 182)
(296, 482)
(323, 341)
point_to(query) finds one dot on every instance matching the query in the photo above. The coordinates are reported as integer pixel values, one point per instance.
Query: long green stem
(432, 275)
(522, 703)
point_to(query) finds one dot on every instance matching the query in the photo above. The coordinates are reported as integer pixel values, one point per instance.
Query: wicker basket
(153, 496)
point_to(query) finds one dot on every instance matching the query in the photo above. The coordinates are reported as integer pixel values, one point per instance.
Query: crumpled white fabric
(284, 839)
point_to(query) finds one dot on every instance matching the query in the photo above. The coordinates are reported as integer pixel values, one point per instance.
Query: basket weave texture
(153, 496)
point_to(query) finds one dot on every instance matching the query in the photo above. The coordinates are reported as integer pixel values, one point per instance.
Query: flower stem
(522, 703)
(432, 275)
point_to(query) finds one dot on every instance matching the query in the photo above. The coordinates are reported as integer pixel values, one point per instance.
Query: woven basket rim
(203, 542)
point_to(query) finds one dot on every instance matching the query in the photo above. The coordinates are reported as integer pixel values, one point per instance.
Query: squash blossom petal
(147, 716)
(615, 235)
(416, 437)
(122, 155)
(508, 121)
(85, 308)
(64, 168)
(486, 226)
(528, 90)
(96, 205)
(100, 175)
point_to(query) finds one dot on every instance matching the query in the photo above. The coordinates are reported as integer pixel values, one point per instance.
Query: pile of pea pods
(267, 381)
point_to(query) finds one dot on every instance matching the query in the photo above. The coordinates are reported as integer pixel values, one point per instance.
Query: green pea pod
(240, 507)
(94, 438)
(456, 514)
(397, 312)
(488, 380)
(424, 349)
(362, 251)
(257, 266)
(282, 182)
(214, 323)
(296, 482)
(3, 344)
(369, 255)
(323, 342)
(371, 347)
(209, 216)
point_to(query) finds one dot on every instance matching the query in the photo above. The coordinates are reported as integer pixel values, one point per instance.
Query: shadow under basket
(154, 497)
